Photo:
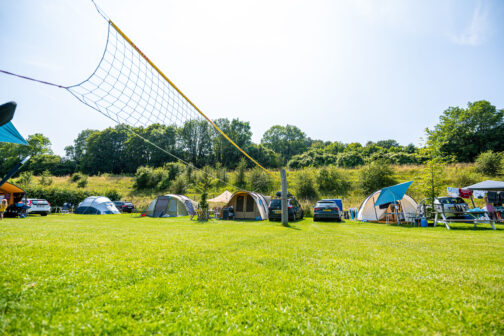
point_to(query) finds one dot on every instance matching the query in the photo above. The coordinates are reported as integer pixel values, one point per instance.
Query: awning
(392, 194)
(9, 188)
(487, 185)
(8, 133)
(222, 198)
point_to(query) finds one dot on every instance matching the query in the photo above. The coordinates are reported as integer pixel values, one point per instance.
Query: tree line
(460, 136)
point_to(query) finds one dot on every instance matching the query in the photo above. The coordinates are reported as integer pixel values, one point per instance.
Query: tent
(488, 185)
(96, 205)
(374, 208)
(9, 133)
(171, 205)
(249, 205)
(222, 198)
(11, 193)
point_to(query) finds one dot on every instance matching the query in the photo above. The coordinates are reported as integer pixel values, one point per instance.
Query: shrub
(76, 177)
(375, 176)
(239, 180)
(25, 179)
(349, 159)
(82, 182)
(112, 194)
(330, 181)
(173, 170)
(465, 177)
(307, 208)
(489, 163)
(179, 186)
(260, 181)
(57, 196)
(46, 179)
(305, 188)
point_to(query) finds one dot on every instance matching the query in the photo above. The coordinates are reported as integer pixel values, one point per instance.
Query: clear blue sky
(340, 70)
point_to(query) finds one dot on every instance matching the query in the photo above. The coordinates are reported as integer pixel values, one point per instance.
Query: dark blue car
(326, 209)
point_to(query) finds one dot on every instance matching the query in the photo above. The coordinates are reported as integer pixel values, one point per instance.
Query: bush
(465, 177)
(57, 196)
(260, 181)
(307, 208)
(349, 159)
(46, 179)
(82, 182)
(332, 182)
(179, 186)
(112, 194)
(239, 179)
(305, 188)
(76, 177)
(375, 176)
(25, 179)
(489, 163)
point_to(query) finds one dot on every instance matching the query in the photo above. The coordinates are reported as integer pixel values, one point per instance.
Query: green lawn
(123, 274)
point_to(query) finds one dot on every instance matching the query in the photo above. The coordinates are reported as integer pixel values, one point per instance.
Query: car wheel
(315, 219)
(43, 214)
(302, 214)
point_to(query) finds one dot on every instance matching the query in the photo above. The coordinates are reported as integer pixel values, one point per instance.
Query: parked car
(124, 206)
(294, 209)
(452, 207)
(38, 206)
(326, 209)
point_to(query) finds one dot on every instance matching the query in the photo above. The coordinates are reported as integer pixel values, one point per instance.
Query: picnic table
(477, 217)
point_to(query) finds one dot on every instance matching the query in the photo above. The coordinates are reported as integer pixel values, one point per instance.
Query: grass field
(122, 274)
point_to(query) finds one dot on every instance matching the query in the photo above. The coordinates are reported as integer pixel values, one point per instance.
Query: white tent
(171, 205)
(249, 205)
(96, 205)
(369, 212)
(222, 198)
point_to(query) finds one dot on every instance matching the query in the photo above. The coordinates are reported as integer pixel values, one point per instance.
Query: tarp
(222, 198)
(8, 133)
(487, 185)
(393, 194)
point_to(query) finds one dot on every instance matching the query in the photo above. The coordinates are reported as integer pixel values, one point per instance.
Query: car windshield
(277, 203)
(451, 200)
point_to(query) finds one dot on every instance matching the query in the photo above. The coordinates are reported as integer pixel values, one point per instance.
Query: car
(38, 206)
(124, 206)
(294, 210)
(326, 209)
(452, 207)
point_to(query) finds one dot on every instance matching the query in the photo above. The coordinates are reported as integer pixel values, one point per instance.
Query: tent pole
(472, 200)
(374, 208)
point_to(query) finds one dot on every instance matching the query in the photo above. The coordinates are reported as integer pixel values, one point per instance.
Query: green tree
(260, 181)
(467, 132)
(238, 131)
(305, 187)
(239, 179)
(332, 182)
(285, 140)
(375, 176)
(350, 159)
(195, 141)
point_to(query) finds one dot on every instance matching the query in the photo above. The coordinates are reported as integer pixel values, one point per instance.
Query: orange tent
(11, 193)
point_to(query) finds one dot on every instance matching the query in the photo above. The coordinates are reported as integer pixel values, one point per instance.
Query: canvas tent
(249, 205)
(96, 205)
(222, 198)
(488, 185)
(11, 193)
(377, 205)
(171, 205)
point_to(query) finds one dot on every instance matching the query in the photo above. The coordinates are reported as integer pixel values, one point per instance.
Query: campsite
(251, 167)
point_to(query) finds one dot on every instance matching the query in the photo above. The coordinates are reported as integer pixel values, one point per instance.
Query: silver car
(38, 206)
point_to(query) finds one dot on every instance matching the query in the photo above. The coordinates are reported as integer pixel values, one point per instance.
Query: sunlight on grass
(131, 275)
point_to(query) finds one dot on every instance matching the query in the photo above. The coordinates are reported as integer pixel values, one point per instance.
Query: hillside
(457, 175)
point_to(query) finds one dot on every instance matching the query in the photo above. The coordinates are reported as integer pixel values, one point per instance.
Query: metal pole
(285, 213)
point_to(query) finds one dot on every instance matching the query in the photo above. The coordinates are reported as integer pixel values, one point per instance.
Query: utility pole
(285, 213)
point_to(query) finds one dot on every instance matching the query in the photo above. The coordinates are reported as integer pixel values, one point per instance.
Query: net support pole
(285, 212)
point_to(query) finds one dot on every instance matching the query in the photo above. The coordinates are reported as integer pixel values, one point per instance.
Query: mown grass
(122, 274)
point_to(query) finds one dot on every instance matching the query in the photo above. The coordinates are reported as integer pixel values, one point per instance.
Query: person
(3, 207)
(490, 209)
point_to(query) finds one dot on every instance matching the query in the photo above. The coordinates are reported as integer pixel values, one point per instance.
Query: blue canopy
(8, 133)
(392, 194)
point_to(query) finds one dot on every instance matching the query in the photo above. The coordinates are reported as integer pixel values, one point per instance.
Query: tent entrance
(161, 205)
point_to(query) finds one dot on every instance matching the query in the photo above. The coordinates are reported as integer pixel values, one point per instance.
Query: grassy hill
(457, 175)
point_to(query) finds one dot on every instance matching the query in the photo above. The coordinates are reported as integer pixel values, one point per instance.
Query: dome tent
(96, 205)
(249, 205)
(171, 205)
(374, 207)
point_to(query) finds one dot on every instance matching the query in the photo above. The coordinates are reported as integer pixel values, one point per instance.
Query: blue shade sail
(9, 133)
(392, 194)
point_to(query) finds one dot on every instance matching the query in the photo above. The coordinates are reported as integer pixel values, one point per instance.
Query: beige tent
(249, 205)
(222, 198)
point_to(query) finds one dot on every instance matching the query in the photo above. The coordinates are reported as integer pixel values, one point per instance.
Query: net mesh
(127, 89)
